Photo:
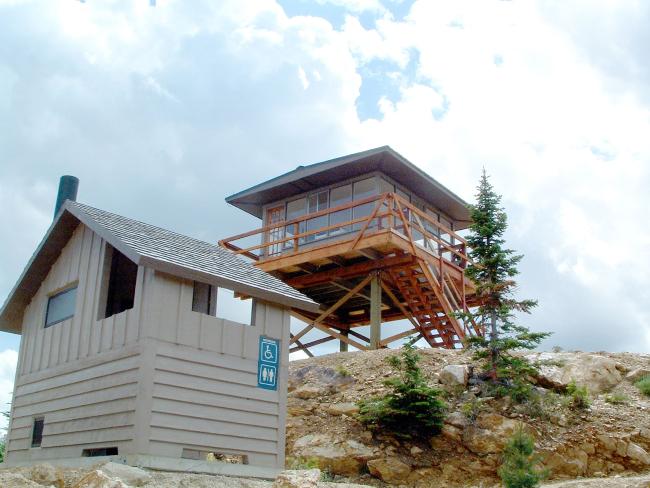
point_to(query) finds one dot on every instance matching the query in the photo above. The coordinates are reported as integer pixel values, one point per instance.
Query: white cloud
(169, 104)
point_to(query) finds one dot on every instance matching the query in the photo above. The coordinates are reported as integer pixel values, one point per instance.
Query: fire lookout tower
(370, 237)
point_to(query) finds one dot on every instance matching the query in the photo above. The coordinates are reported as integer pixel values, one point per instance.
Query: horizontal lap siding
(210, 401)
(91, 406)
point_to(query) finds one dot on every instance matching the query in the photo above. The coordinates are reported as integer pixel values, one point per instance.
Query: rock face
(130, 475)
(390, 470)
(454, 375)
(345, 408)
(597, 373)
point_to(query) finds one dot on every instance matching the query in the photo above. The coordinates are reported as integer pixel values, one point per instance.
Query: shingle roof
(151, 246)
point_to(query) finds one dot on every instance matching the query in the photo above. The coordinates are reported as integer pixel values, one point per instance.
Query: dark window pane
(365, 188)
(37, 432)
(60, 306)
(202, 298)
(121, 284)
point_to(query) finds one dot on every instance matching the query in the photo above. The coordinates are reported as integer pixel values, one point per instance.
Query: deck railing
(351, 222)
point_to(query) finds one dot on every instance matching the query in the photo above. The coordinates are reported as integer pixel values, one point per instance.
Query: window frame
(73, 286)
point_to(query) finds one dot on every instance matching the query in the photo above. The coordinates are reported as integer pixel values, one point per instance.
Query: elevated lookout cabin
(372, 239)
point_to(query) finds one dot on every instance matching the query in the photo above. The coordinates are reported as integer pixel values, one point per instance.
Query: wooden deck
(394, 263)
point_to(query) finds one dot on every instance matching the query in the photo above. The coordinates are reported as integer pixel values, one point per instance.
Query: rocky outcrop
(490, 433)
(343, 457)
(298, 479)
(636, 374)
(597, 373)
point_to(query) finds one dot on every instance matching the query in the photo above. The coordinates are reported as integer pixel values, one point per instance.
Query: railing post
(295, 239)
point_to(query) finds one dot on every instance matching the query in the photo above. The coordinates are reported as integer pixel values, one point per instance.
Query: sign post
(268, 363)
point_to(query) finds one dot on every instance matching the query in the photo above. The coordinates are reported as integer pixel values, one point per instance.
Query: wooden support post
(375, 312)
(343, 346)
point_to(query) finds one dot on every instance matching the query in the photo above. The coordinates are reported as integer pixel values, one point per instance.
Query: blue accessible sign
(267, 364)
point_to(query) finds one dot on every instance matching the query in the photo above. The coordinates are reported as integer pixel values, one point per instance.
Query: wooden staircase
(434, 304)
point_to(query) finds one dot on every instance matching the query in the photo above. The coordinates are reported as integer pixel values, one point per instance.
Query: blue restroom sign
(268, 362)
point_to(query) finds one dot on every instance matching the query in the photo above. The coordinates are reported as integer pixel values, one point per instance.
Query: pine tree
(492, 269)
(520, 468)
(412, 408)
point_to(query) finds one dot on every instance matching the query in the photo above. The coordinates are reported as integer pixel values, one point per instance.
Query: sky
(163, 111)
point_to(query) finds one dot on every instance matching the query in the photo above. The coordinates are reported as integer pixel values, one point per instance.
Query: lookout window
(120, 274)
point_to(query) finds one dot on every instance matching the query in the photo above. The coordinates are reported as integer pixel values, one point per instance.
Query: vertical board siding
(82, 336)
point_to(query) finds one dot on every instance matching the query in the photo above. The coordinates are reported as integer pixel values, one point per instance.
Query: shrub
(520, 463)
(617, 399)
(579, 395)
(472, 409)
(644, 385)
(340, 369)
(301, 463)
(411, 408)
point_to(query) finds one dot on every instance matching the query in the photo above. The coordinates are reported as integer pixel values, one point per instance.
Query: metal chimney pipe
(68, 186)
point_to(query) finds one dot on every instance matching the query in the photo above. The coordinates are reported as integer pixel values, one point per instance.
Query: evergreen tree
(492, 269)
(411, 408)
(520, 464)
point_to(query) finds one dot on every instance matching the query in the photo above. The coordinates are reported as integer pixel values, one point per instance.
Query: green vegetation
(617, 399)
(301, 463)
(412, 409)
(579, 395)
(492, 269)
(340, 369)
(520, 467)
(473, 408)
(644, 385)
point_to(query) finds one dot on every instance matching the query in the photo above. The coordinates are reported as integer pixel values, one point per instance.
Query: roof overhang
(383, 159)
(58, 235)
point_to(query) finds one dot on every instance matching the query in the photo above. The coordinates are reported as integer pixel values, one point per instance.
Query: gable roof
(146, 245)
(383, 159)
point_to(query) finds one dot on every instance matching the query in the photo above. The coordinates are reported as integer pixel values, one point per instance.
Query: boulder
(390, 470)
(307, 392)
(130, 475)
(344, 457)
(635, 375)
(491, 433)
(46, 475)
(557, 370)
(636, 452)
(347, 408)
(454, 375)
(97, 479)
(16, 480)
(298, 479)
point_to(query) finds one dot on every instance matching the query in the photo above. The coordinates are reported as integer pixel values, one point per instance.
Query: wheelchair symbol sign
(267, 364)
(268, 350)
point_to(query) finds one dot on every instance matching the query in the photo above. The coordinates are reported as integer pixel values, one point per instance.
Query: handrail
(392, 211)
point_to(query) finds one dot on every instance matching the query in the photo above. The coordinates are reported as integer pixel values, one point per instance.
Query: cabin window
(233, 308)
(385, 186)
(204, 298)
(363, 189)
(340, 196)
(120, 275)
(295, 208)
(317, 202)
(37, 431)
(60, 306)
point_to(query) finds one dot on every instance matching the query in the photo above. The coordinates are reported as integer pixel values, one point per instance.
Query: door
(274, 215)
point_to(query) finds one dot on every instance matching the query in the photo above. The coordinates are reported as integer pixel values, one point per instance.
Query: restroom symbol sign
(268, 376)
(268, 362)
